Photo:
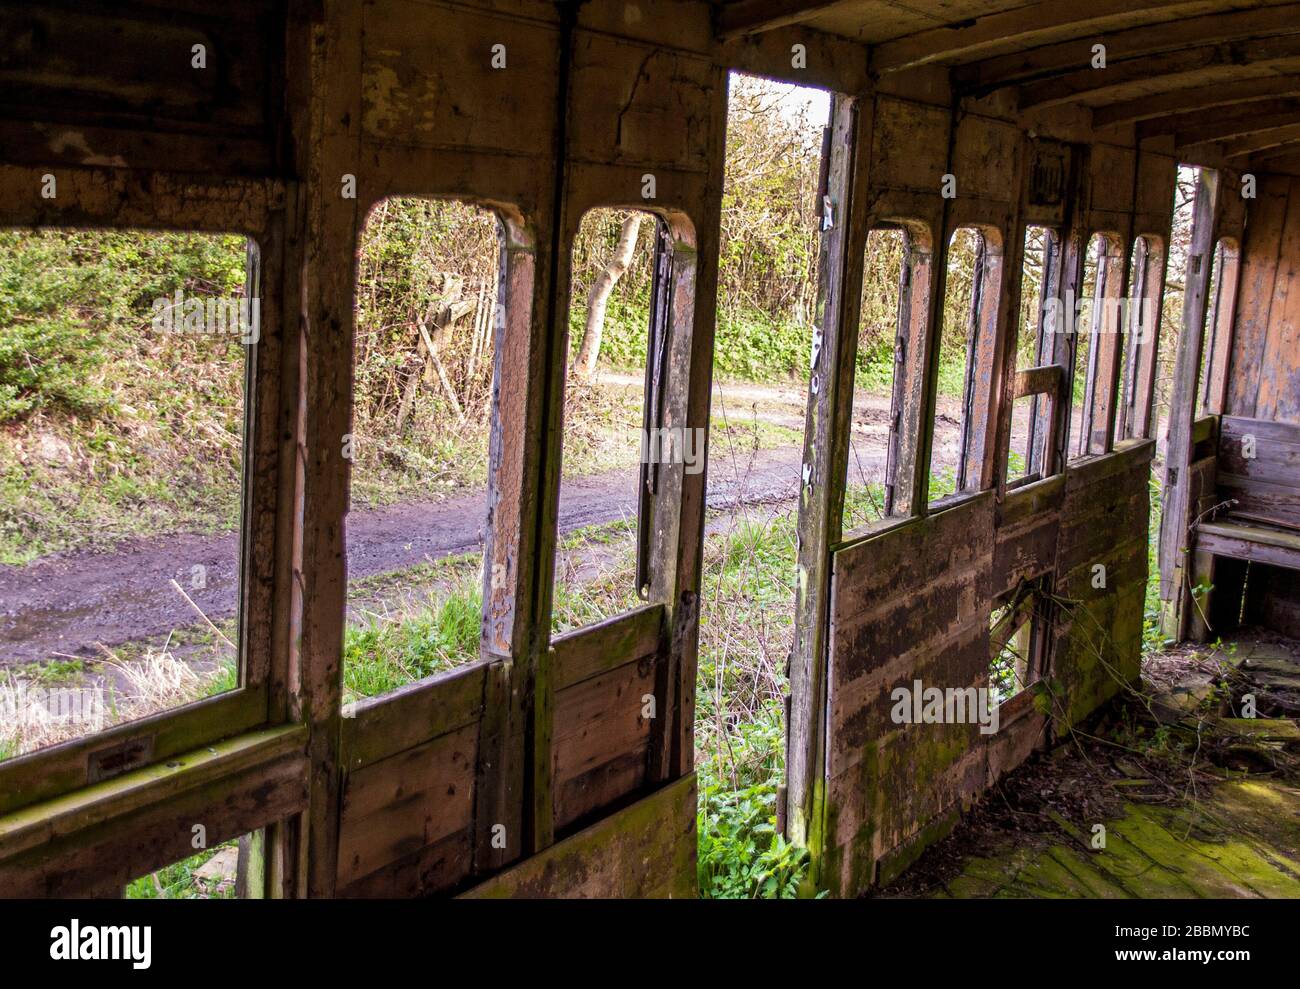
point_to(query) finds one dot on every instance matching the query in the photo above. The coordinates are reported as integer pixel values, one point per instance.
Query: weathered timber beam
(98, 839)
(1275, 138)
(1278, 140)
(1046, 379)
(1190, 125)
(1283, 158)
(825, 466)
(1230, 130)
(1138, 42)
(1196, 97)
(755, 16)
(1007, 29)
(1187, 362)
(1200, 66)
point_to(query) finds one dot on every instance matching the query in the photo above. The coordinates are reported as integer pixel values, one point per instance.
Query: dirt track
(63, 605)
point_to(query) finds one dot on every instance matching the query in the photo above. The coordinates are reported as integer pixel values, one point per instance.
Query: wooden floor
(1119, 819)
(1242, 840)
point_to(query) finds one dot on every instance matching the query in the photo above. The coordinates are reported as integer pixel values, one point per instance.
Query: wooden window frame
(153, 205)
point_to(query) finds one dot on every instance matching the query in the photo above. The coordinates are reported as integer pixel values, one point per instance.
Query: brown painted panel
(601, 739)
(97, 85)
(643, 106)
(986, 152)
(398, 805)
(645, 850)
(909, 146)
(427, 78)
(1111, 170)
(1279, 378)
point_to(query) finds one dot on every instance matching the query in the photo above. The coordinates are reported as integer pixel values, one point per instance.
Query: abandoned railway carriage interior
(1086, 485)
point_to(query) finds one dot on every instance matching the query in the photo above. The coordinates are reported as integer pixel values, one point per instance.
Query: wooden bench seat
(1250, 499)
(1264, 483)
(1258, 475)
(1250, 540)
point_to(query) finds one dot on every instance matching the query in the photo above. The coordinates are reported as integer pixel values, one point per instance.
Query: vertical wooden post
(915, 306)
(1176, 499)
(513, 815)
(1218, 363)
(1107, 347)
(988, 359)
(1064, 339)
(1004, 326)
(325, 47)
(678, 511)
(513, 798)
(677, 544)
(825, 467)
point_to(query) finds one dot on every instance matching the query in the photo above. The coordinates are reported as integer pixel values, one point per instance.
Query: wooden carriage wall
(535, 771)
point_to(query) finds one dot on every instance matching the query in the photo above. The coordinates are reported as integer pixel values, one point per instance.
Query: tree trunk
(598, 298)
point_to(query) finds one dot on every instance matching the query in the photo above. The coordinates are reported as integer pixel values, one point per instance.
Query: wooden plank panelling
(591, 651)
(1265, 363)
(382, 726)
(600, 740)
(112, 832)
(646, 850)
(914, 603)
(398, 805)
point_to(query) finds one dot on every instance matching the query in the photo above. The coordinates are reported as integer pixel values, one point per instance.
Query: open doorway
(767, 298)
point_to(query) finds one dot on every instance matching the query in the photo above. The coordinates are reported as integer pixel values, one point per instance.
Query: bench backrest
(1259, 466)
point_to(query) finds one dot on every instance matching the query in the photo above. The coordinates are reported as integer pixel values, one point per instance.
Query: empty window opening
(1219, 311)
(226, 871)
(1020, 466)
(125, 357)
(1098, 328)
(1171, 305)
(1141, 342)
(965, 348)
(426, 311)
(869, 495)
(1017, 639)
(1031, 414)
(1078, 316)
(613, 441)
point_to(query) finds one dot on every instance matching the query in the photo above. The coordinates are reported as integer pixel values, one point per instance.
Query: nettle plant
(741, 854)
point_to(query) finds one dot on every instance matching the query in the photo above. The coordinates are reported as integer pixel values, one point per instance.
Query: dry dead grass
(35, 714)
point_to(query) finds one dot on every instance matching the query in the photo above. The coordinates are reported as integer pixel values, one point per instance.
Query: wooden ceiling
(1212, 73)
